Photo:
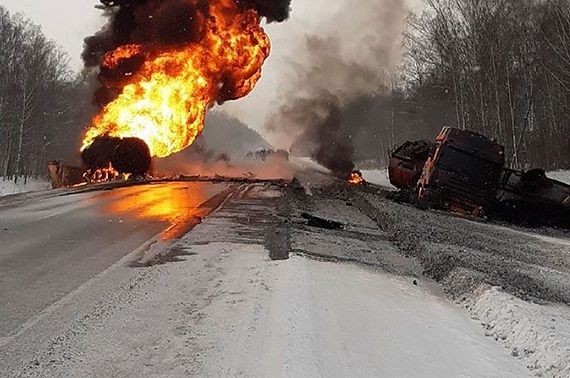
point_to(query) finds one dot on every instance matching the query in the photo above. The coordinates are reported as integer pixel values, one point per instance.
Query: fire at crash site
(187, 185)
(159, 77)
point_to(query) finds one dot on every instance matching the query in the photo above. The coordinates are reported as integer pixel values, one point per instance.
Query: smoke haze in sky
(366, 34)
(72, 20)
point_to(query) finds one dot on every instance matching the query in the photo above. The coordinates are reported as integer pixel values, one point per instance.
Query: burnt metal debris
(407, 163)
(533, 199)
(464, 172)
(106, 159)
(318, 222)
(63, 175)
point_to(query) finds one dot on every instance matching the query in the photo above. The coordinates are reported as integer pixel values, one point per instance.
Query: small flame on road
(356, 178)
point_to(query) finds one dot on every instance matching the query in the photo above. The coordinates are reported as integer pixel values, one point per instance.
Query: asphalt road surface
(192, 279)
(51, 244)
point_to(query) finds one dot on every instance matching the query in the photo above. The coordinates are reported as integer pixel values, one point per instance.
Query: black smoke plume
(272, 10)
(350, 59)
(154, 24)
(325, 140)
(315, 112)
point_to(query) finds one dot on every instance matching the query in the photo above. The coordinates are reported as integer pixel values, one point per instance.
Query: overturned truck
(106, 159)
(464, 172)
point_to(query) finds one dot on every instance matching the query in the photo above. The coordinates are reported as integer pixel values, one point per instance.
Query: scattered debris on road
(318, 222)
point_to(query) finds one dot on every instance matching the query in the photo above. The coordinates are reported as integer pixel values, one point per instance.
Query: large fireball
(165, 90)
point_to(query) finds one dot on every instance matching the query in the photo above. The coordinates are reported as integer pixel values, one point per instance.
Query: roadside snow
(345, 320)
(537, 334)
(378, 177)
(563, 176)
(8, 187)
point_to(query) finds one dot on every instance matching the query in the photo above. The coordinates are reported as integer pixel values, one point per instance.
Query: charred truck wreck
(107, 158)
(125, 155)
(465, 173)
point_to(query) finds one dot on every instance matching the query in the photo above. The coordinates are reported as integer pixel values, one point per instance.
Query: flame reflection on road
(176, 204)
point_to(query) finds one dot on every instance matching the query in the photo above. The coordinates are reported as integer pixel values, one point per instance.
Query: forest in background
(40, 99)
(497, 67)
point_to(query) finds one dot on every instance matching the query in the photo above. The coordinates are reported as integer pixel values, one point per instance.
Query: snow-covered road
(306, 318)
(52, 243)
(219, 306)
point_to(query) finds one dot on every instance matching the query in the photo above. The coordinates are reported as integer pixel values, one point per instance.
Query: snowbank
(8, 187)
(563, 176)
(378, 177)
(539, 335)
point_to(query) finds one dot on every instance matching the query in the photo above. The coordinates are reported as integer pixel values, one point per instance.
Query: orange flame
(356, 178)
(104, 175)
(124, 52)
(165, 101)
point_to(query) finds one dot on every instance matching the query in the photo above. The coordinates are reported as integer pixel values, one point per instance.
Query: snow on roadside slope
(8, 187)
(377, 177)
(537, 334)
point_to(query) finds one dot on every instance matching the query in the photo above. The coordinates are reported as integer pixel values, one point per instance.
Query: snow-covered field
(8, 187)
(537, 334)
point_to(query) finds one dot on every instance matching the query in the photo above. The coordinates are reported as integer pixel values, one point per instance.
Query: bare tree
(35, 96)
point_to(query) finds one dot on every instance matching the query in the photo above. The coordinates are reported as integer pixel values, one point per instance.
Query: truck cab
(462, 173)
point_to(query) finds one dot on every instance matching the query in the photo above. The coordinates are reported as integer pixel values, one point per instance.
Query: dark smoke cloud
(352, 57)
(272, 10)
(326, 141)
(154, 23)
(335, 150)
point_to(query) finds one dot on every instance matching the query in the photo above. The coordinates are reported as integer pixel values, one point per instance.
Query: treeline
(499, 67)
(38, 99)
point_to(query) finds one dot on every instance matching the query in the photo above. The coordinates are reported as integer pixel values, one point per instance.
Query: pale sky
(70, 21)
(65, 21)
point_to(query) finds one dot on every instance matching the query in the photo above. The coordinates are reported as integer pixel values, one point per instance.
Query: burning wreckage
(160, 65)
(465, 173)
(107, 158)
